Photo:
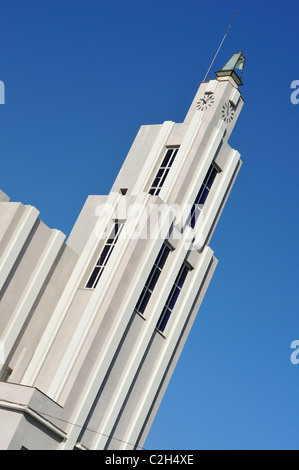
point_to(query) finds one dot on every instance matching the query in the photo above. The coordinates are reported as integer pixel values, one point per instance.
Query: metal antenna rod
(220, 46)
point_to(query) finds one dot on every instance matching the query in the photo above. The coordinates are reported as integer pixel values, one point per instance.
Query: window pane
(108, 255)
(174, 296)
(182, 276)
(173, 157)
(208, 175)
(175, 292)
(212, 177)
(104, 254)
(118, 226)
(164, 177)
(143, 301)
(192, 219)
(153, 278)
(163, 256)
(111, 238)
(163, 171)
(99, 276)
(93, 278)
(203, 196)
(156, 183)
(196, 210)
(167, 158)
(163, 320)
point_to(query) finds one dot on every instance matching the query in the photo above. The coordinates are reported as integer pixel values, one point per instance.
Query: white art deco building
(91, 328)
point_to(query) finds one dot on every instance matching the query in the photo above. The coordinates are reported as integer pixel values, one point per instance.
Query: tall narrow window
(104, 256)
(173, 297)
(152, 279)
(202, 196)
(163, 171)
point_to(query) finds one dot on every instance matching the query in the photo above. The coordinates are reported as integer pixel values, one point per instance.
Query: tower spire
(237, 61)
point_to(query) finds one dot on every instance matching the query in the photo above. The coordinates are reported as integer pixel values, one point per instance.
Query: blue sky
(81, 77)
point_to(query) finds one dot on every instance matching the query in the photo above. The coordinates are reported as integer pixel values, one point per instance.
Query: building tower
(91, 329)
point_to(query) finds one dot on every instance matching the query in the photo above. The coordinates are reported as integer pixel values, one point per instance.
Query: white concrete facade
(91, 328)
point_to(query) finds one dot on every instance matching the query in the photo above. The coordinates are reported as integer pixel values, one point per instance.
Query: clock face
(204, 103)
(228, 112)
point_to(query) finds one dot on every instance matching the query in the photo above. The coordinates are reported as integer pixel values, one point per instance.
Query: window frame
(173, 297)
(154, 274)
(164, 168)
(202, 195)
(99, 267)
